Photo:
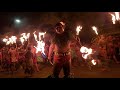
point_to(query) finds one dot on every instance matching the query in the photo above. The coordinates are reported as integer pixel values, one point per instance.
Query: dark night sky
(86, 19)
(35, 18)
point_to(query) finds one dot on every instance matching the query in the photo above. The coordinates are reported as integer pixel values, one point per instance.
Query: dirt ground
(76, 72)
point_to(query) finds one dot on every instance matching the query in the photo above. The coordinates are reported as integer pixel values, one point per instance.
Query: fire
(40, 47)
(41, 34)
(5, 40)
(94, 62)
(115, 17)
(83, 49)
(24, 37)
(95, 29)
(35, 36)
(22, 40)
(85, 52)
(28, 35)
(78, 29)
(62, 23)
(40, 42)
(13, 39)
(10, 40)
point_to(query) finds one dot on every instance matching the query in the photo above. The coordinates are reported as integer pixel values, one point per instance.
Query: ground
(76, 71)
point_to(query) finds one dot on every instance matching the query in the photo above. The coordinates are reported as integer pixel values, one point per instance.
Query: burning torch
(95, 29)
(115, 17)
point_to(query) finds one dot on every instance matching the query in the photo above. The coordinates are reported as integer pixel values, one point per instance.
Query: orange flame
(40, 47)
(115, 17)
(35, 36)
(24, 37)
(41, 34)
(78, 29)
(28, 35)
(5, 40)
(86, 51)
(40, 43)
(95, 29)
(10, 40)
(22, 40)
(13, 39)
(94, 62)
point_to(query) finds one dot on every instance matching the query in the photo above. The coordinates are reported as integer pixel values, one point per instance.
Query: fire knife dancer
(60, 46)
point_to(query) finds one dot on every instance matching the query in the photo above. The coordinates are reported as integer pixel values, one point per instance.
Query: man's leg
(66, 69)
(56, 69)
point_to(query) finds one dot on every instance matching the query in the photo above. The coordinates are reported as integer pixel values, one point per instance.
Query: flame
(78, 29)
(115, 17)
(35, 36)
(83, 49)
(22, 40)
(10, 40)
(28, 35)
(95, 29)
(94, 62)
(13, 39)
(85, 52)
(40, 47)
(62, 23)
(24, 37)
(41, 34)
(40, 42)
(5, 40)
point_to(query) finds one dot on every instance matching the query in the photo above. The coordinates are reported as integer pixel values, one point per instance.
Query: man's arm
(51, 49)
(77, 39)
